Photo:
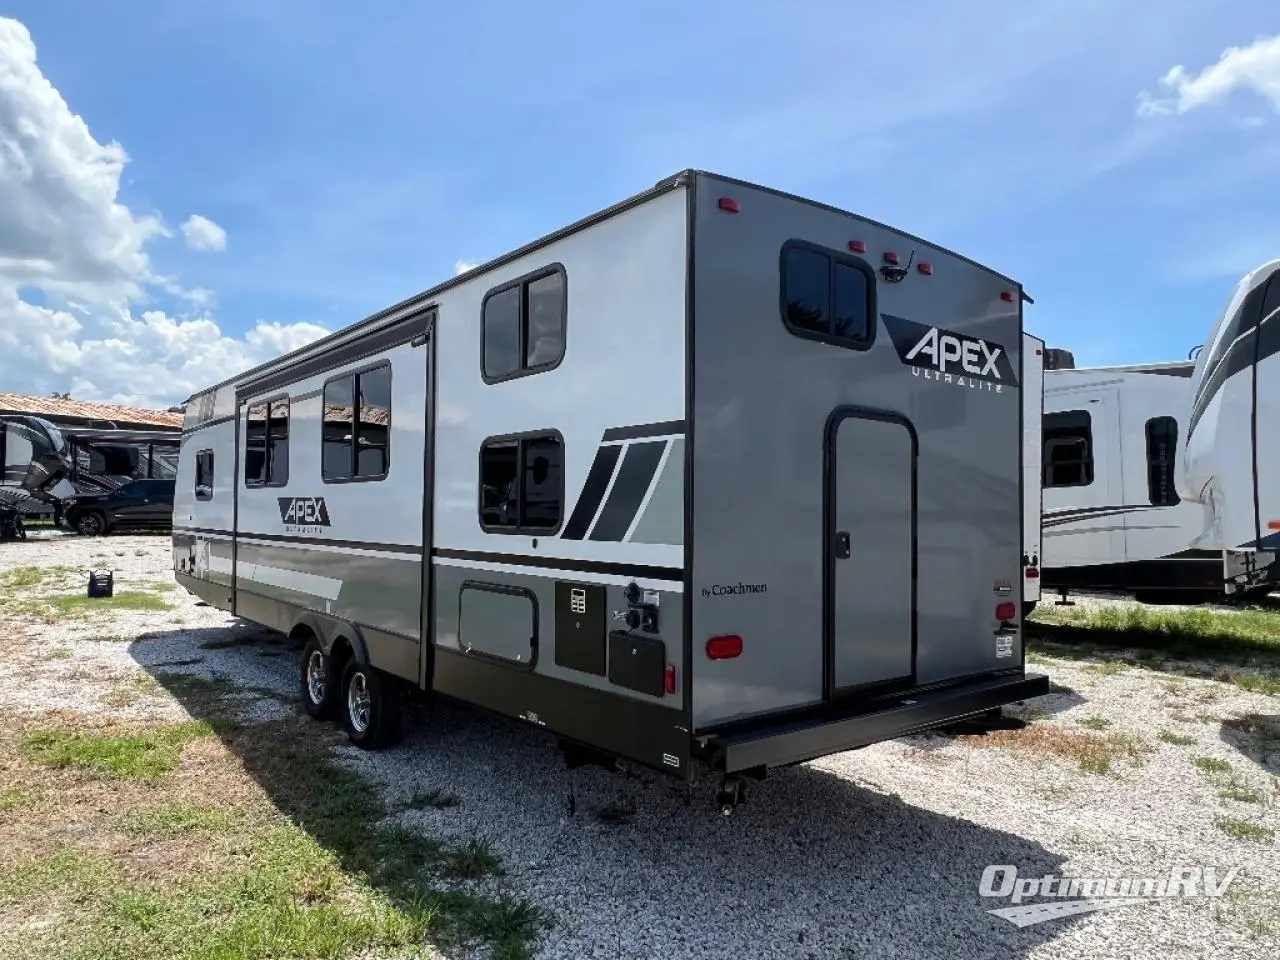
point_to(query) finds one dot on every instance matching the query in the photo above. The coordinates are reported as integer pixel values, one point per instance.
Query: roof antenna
(895, 274)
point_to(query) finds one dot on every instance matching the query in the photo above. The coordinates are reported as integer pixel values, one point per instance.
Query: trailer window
(1162, 448)
(522, 484)
(1068, 449)
(356, 430)
(204, 475)
(522, 328)
(266, 448)
(827, 296)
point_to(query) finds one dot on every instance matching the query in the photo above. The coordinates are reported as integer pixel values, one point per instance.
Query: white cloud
(462, 266)
(65, 233)
(203, 234)
(1255, 68)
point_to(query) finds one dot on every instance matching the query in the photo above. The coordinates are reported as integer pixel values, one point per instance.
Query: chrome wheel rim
(88, 524)
(316, 676)
(358, 703)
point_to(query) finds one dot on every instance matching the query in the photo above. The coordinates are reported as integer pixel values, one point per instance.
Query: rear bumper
(796, 739)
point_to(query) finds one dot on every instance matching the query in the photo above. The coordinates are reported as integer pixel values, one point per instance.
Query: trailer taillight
(671, 678)
(857, 246)
(1006, 296)
(925, 268)
(891, 258)
(727, 204)
(724, 648)
(1006, 611)
(1033, 573)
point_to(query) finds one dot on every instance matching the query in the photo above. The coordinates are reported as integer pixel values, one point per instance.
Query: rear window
(827, 295)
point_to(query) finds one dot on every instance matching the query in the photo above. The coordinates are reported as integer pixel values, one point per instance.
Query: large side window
(1068, 449)
(356, 430)
(522, 484)
(827, 296)
(1162, 450)
(266, 449)
(204, 475)
(522, 325)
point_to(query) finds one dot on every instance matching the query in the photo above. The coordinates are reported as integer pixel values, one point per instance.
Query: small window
(1068, 450)
(356, 433)
(523, 326)
(204, 475)
(522, 484)
(827, 296)
(266, 446)
(1162, 449)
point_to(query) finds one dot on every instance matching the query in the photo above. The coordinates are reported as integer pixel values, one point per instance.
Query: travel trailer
(1231, 445)
(1113, 519)
(715, 478)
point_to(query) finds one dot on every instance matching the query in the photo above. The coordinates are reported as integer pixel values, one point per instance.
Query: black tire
(321, 703)
(379, 723)
(90, 523)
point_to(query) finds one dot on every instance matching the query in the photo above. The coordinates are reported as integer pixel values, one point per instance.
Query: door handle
(842, 545)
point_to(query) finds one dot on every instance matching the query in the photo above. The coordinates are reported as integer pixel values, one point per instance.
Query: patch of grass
(1244, 829)
(179, 818)
(1095, 722)
(146, 755)
(434, 799)
(60, 653)
(1093, 752)
(1211, 765)
(470, 861)
(1257, 683)
(128, 692)
(1108, 668)
(14, 798)
(27, 578)
(1241, 794)
(1177, 739)
(66, 872)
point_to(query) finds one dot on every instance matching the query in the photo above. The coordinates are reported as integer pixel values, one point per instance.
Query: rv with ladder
(717, 479)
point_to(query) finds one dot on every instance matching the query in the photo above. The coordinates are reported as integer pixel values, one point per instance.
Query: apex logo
(303, 511)
(949, 355)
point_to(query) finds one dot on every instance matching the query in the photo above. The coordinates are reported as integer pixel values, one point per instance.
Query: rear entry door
(870, 546)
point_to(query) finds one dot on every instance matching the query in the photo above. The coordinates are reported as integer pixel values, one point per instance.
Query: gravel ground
(872, 853)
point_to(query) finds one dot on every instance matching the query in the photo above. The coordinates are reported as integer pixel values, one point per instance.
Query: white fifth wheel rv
(716, 477)
(1231, 455)
(1113, 519)
(1032, 413)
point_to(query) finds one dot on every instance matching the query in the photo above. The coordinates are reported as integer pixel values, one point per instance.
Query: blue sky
(354, 158)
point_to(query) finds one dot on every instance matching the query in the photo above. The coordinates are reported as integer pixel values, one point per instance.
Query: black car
(139, 503)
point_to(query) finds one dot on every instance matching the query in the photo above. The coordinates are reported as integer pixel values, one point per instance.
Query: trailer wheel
(370, 706)
(321, 689)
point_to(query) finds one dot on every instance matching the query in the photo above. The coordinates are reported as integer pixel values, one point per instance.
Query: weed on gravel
(1244, 829)
(1092, 752)
(144, 755)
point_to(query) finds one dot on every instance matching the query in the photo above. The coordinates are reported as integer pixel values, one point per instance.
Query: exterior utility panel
(736, 494)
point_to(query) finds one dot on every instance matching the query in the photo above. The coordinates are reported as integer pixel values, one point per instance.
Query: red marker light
(925, 268)
(1033, 573)
(1006, 611)
(857, 246)
(727, 204)
(1007, 296)
(891, 258)
(724, 648)
(671, 678)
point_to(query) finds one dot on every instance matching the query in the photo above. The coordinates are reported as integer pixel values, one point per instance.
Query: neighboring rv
(1113, 519)
(716, 476)
(1231, 455)
(1032, 412)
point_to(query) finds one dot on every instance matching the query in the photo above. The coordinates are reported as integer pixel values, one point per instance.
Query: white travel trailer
(718, 476)
(1113, 519)
(1231, 455)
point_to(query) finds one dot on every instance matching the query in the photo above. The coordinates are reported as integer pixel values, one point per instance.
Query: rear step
(794, 740)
